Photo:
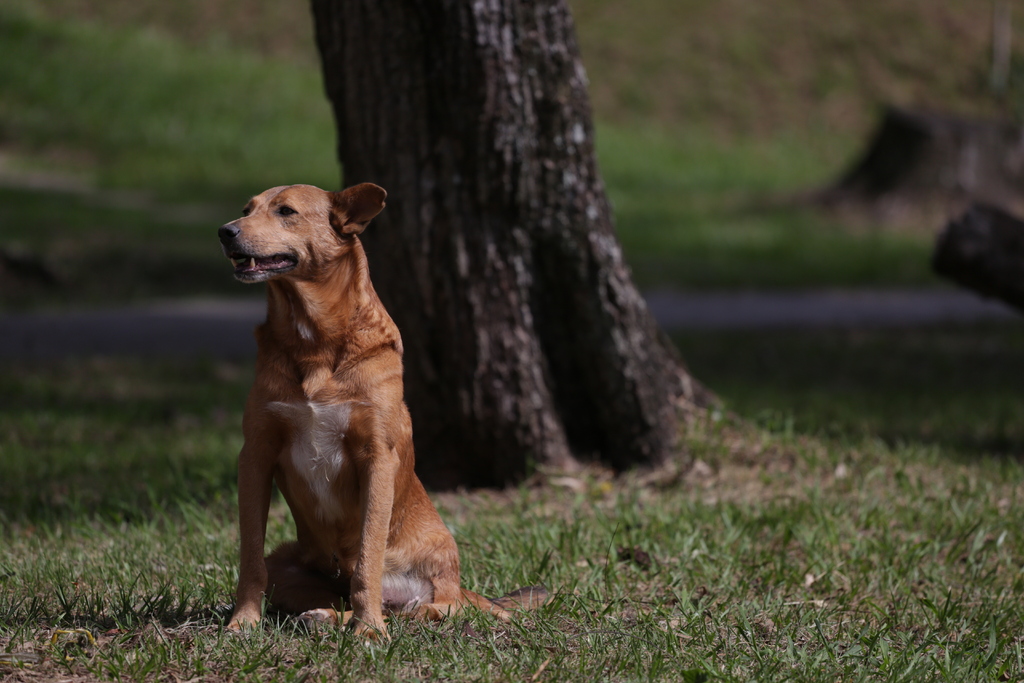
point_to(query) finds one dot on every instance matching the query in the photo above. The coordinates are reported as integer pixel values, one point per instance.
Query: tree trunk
(984, 250)
(526, 341)
(918, 156)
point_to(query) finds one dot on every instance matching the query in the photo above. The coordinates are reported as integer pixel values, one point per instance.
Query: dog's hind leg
(296, 588)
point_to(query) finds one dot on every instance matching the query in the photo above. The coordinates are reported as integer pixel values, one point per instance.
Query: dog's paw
(374, 632)
(240, 622)
(235, 626)
(314, 618)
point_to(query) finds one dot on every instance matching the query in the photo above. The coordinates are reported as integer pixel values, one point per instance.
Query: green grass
(142, 110)
(871, 528)
(111, 437)
(693, 213)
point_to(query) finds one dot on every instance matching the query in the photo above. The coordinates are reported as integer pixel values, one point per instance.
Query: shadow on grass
(122, 438)
(959, 388)
(117, 438)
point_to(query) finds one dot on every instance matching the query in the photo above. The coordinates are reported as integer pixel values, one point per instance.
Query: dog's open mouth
(252, 268)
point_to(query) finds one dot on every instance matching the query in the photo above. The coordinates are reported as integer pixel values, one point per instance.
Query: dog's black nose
(227, 233)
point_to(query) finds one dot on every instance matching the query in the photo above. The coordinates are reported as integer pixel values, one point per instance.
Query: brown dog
(326, 420)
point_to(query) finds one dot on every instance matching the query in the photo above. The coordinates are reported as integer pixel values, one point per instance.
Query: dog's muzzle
(250, 266)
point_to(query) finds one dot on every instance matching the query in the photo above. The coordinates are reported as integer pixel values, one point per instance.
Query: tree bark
(984, 250)
(526, 341)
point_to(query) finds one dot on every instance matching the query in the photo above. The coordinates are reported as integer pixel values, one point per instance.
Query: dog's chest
(316, 450)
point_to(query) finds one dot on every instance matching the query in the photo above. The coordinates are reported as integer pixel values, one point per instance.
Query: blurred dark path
(822, 308)
(220, 328)
(223, 328)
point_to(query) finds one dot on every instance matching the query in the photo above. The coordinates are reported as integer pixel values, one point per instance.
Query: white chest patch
(304, 330)
(316, 450)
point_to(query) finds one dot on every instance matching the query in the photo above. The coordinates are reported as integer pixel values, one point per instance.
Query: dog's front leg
(254, 486)
(377, 486)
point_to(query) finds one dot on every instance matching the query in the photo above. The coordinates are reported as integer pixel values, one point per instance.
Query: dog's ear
(354, 207)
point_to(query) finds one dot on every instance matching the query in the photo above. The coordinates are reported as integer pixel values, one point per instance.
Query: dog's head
(296, 228)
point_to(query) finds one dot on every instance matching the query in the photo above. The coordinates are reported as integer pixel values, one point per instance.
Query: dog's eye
(246, 211)
(286, 211)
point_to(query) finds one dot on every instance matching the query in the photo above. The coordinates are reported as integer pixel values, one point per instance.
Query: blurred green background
(130, 130)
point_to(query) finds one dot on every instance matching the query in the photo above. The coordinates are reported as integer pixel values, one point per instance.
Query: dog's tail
(527, 598)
